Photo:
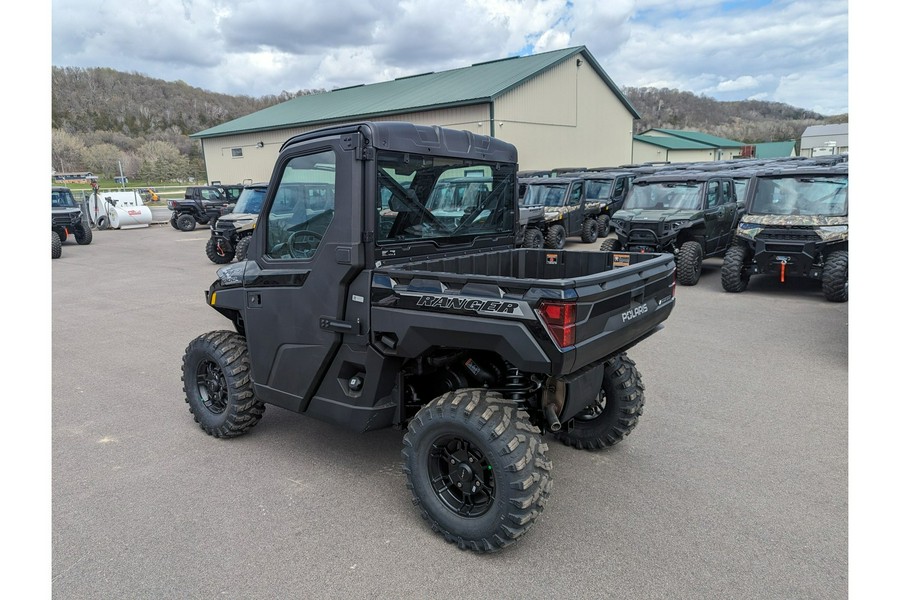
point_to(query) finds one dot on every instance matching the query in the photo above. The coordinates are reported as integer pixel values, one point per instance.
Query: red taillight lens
(560, 320)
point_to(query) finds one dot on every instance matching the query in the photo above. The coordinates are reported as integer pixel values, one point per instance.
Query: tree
(67, 152)
(161, 161)
(103, 159)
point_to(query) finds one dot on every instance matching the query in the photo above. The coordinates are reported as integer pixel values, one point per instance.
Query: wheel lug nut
(471, 460)
(459, 484)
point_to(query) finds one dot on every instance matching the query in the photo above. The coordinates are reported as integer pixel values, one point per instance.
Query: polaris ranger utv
(201, 204)
(691, 214)
(67, 219)
(567, 211)
(230, 234)
(369, 318)
(795, 226)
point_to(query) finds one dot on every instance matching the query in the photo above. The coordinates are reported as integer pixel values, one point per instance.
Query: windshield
(62, 199)
(597, 189)
(541, 194)
(250, 201)
(664, 196)
(428, 197)
(800, 195)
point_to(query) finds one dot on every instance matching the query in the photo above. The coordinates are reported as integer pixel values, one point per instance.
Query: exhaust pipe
(552, 419)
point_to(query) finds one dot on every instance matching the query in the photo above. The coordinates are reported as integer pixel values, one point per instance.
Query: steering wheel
(300, 246)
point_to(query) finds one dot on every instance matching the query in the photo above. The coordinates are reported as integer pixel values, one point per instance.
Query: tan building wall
(565, 117)
(257, 163)
(644, 152)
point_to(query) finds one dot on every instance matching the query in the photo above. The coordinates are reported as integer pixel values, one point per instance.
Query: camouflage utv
(230, 234)
(691, 214)
(567, 211)
(795, 226)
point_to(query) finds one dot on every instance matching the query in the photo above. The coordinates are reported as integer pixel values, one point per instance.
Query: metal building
(558, 108)
(678, 146)
(822, 140)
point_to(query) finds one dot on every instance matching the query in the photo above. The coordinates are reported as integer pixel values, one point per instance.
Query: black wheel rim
(212, 386)
(461, 476)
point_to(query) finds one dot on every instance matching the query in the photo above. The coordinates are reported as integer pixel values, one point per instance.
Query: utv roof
(682, 177)
(419, 139)
(807, 169)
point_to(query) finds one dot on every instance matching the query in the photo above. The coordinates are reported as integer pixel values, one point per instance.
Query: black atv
(690, 214)
(796, 226)
(67, 219)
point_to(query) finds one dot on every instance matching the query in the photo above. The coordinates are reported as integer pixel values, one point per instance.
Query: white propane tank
(128, 212)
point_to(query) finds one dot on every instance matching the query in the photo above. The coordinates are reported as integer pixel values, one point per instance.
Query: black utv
(359, 306)
(690, 214)
(230, 234)
(796, 226)
(201, 204)
(66, 219)
(608, 187)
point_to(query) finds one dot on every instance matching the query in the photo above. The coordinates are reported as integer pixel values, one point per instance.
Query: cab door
(714, 214)
(574, 212)
(306, 253)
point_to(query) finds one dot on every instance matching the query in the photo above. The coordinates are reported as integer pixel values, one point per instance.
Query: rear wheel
(533, 238)
(216, 254)
(556, 237)
(56, 245)
(835, 277)
(735, 274)
(216, 375)
(477, 469)
(610, 245)
(688, 263)
(589, 231)
(614, 413)
(240, 249)
(186, 222)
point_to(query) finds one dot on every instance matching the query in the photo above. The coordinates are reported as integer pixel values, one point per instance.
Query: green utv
(795, 226)
(691, 214)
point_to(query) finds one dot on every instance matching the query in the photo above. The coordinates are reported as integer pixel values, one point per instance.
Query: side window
(303, 207)
(712, 194)
(727, 192)
(619, 190)
(575, 196)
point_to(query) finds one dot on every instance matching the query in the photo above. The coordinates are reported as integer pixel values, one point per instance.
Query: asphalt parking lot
(733, 485)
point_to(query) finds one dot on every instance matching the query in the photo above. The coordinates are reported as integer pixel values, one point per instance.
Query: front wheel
(835, 277)
(477, 469)
(216, 253)
(55, 245)
(240, 249)
(603, 226)
(215, 371)
(615, 411)
(688, 263)
(735, 271)
(533, 238)
(556, 237)
(83, 235)
(610, 245)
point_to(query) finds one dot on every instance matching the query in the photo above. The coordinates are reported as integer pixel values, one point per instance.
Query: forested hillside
(101, 118)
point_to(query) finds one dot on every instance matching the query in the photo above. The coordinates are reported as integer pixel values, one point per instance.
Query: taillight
(560, 320)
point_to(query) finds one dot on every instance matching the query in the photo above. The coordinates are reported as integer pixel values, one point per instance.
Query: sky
(795, 52)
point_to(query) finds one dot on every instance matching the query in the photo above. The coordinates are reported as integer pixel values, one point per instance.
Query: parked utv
(609, 188)
(796, 226)
(690, 214)
(67, 219)
(230, 233)
(359, 306)
(567, 211)
(201, 204)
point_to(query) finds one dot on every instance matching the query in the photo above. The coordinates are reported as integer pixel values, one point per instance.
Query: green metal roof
(673, 143)
(703, 138)
(774, 149)
(477, 84)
